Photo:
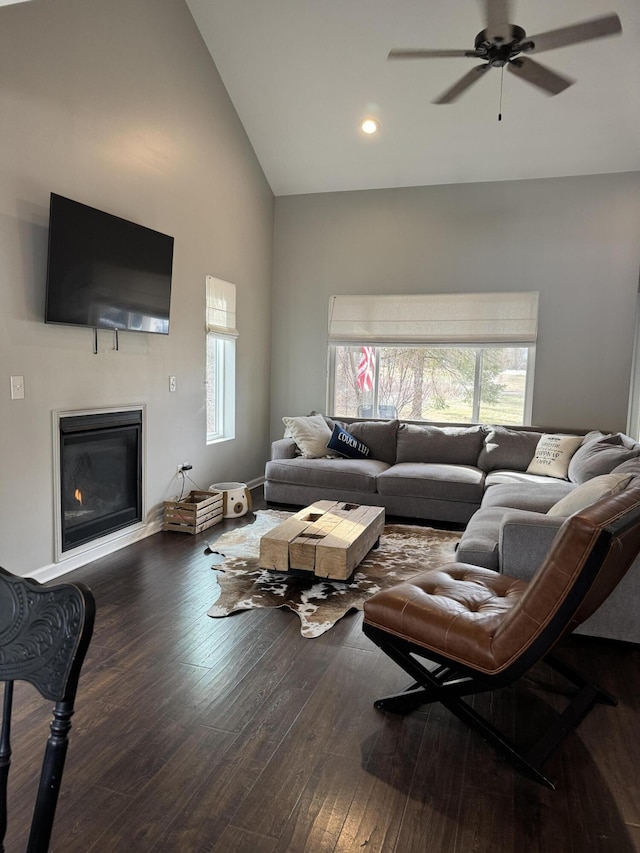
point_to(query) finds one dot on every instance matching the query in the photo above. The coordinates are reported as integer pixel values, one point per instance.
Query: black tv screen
(106, 272)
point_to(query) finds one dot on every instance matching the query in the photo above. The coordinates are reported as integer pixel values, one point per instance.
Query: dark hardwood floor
(237, 735)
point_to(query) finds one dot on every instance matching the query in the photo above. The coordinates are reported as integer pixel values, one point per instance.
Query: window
(633, 417)
(220, 358)
(433, 357)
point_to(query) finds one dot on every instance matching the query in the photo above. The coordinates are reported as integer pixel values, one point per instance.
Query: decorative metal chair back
(44, 635)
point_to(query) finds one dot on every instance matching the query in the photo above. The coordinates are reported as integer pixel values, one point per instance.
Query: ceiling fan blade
(541, 76)
(607, 25)
(463, 84)
(417, 53)
(498, 26)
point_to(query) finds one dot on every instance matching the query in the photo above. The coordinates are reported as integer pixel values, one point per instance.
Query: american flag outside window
(366, 367)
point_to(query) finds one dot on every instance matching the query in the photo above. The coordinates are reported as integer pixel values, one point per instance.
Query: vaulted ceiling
(303, 73)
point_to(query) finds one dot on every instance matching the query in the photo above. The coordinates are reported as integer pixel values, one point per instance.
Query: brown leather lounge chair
(44, 635)
(484, 630)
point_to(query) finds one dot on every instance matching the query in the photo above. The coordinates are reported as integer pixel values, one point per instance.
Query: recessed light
(369, 126)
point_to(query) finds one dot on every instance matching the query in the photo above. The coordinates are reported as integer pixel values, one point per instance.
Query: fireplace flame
(78, 495)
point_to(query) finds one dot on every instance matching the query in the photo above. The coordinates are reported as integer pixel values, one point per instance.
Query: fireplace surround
(99, 476)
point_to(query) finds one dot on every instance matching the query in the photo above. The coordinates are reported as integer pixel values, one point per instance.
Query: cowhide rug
(405, 550)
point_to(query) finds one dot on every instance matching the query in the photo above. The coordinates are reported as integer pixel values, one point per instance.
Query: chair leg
(5, 758)
(578, 679)
(50, 778)
(442, 685)
(447, 686)
(525, 763)
(582, 703)
(428, 685)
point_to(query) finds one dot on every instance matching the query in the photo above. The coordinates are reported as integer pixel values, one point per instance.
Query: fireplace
(100, 475)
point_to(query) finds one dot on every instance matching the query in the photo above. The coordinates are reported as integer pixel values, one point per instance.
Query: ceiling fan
(503, 43)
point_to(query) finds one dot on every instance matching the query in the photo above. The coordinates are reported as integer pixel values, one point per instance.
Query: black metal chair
(480, 630)
(44, 635)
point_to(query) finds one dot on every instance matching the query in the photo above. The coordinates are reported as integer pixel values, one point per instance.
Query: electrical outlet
(173, 383)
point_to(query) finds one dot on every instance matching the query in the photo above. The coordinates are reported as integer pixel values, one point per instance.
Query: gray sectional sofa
(484, 477)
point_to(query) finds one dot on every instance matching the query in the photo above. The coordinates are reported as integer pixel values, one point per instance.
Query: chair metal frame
(44, 635)
(440, 679)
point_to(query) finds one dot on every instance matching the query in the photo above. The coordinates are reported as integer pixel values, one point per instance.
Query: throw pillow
(553, 454)
(345, 444)
(310, 433)
(600, 457)
(508, 449)
(446, 445)
(593, 490)
(329, 421)
(379, 437)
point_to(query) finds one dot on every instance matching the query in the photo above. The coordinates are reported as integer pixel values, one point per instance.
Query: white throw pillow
(311, 433)
(553, 454)
(583, 496)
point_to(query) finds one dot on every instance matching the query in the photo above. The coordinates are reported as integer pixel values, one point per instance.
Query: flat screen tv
(106, 272)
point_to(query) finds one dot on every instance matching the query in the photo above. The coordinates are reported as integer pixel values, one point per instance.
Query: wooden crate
(193, 514)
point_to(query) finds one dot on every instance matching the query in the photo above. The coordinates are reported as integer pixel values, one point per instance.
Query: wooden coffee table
(328, 539)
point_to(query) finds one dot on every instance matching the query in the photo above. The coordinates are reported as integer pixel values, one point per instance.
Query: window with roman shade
(221, 335)
(435, 318)
(459, 357)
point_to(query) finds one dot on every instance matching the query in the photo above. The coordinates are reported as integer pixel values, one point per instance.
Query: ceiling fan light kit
(502, 44)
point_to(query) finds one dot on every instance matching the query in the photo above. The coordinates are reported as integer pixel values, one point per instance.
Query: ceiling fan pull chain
(501, 79)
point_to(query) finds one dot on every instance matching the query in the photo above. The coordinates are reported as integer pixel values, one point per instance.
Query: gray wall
(576, 240)
(118, 104)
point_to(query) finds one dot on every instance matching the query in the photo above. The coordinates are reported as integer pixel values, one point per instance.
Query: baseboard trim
(101, 549)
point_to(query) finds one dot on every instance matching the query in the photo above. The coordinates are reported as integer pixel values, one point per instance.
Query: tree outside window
(435, 383)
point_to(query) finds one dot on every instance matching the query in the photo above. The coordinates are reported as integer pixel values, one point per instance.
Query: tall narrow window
(433, 357)
(633, 416)
(221, 357)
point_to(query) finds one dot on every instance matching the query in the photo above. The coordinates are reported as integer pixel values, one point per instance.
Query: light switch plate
(173, 384)
(17, 387)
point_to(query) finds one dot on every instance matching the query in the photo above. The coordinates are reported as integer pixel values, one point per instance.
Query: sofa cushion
(345, 444)
(536, 497)
(433, 480)
(479, 542)
(587, 493)
(379, 437)
(601, 456)
(496, 478)
(446, 445)
(310, 433)
(553, 454)
(345, 474)
(631, 466)
(507, 449)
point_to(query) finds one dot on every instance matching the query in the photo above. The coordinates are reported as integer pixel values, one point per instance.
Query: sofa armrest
(525, 538)
(283, 448)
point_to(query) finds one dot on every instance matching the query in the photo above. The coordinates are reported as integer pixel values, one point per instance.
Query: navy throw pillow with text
(345, 444)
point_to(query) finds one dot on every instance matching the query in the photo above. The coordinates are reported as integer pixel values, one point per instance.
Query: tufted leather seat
(456, 609)
(486, 629)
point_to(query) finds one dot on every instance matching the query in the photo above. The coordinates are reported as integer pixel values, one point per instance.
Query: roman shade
(435, 318)
(221, 308)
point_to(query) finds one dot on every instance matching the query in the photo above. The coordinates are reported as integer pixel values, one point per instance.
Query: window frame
(220, 319)
(528, 393)
(477, 320)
